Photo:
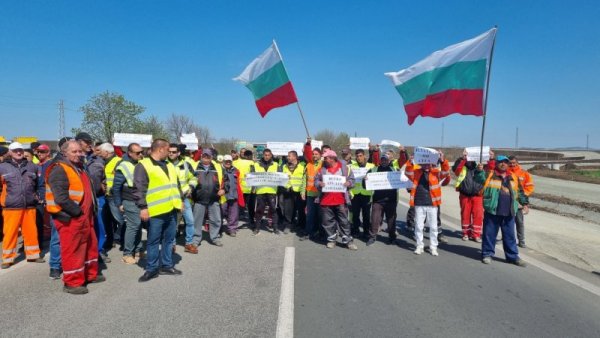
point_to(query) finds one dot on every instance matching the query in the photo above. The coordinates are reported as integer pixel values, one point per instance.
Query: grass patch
(588, 173)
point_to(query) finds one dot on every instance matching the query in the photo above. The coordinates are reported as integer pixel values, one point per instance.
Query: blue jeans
(54, 261)
(132, 236)
(161, 227)
(313, 219)
(214, 221)
(188, 218)
(491, 224)
(99, 224)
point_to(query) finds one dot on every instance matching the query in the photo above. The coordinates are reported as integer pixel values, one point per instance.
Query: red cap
(43, 147)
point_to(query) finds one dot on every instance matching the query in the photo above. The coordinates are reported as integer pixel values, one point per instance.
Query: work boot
(391, 240)
(55, 273)
(169, 271)
(6, 265)
(75, 290)
(191, 248)
(37, 260)
(148, 275)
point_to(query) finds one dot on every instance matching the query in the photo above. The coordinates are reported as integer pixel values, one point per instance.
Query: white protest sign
(473, 153)
(190, 140)
(316, 144)
(282, 148)
(123, 140)
(390, 143)
(334, 183)
(359, 174)
(268, 179)
(387, 180)
(426, 155)
(359, 143)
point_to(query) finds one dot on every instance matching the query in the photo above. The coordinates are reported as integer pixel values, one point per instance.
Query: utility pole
(517, 139)
(442, 146)
(61, 119)
(587, 141)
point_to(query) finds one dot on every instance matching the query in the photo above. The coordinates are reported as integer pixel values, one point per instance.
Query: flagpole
(297, 101)
(487, 88)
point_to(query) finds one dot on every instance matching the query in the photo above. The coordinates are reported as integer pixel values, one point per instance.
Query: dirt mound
(538, 167)
(569, 166)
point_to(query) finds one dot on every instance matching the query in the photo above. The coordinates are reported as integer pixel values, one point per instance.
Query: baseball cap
(43, 147)
(3, 150)
(35, 145)
(64, 140)
(15, 146)
(227, 158)
(83, 136)
(207, 152)
(501, 158)
(329, 153)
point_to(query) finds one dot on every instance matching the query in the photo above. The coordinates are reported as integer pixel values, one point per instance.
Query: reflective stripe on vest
(358, 186)
(109, 172)
(273, 168)
(435, 190)
(163, 195)
(75, 187)
(127, 168)
(296, 178)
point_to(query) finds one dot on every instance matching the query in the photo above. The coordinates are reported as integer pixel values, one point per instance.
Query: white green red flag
(449, 81)
(268, 81)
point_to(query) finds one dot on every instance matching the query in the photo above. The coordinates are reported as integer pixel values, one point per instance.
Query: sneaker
(434, 252)
(371, 241)
(519, 262)
(6, 265)
(255, 232)
(286, 231)
(129, 260)
(486, 260)
(465, 238)
(55, 273)
(75, 290)
(331, 245)
(522, 245)
(217, 242)
(418, 250)
(352, 246)
(442, 239)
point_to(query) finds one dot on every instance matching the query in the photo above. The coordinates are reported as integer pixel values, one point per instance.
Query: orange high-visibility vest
(435, 176)
(311, 173)
(75, 187)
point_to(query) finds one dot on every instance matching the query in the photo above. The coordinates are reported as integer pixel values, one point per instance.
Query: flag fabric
(451, 80)
(268, 81)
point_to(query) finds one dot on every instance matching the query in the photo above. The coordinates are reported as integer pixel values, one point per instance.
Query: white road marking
(543, 266)
(285, 318)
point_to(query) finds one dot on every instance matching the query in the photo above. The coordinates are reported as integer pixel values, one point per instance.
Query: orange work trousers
(13, 220)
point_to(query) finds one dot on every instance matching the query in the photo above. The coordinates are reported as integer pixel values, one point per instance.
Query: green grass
(588, 173)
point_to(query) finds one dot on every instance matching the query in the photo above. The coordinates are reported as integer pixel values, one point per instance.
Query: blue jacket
(19, 185)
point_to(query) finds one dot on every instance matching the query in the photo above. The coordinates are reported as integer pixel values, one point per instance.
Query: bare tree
(182, 124)
(337, 141)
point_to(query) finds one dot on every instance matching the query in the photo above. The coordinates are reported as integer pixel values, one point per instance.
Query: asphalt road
(584, 192)
(379, 291)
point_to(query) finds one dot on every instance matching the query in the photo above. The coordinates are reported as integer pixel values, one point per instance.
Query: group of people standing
(98, 197)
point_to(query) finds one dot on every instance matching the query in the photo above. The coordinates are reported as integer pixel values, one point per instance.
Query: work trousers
(313, 216)
(520, 221)
(361, 204)
(25, 220)
(78, 250)
(214, 221)
(335, 221)
(426, 215)
(159, 244)
(491, 224)
(132, 236)
(250, 200)
(379, 209)
(291, 204)
(262, 201)
(231, 211)
(471, 215)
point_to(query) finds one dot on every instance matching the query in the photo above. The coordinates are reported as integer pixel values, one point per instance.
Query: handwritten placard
(359, 143)
(268, 179)
(473, 153)
(387, 180)
(316, 144)
(426, 156)
(190, 141)
(359, 174)
(123, 139)
(334, 183)
(282, 148)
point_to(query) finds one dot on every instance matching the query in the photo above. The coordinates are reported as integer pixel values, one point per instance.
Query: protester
(42, 217)
(425, 197)
(233, 195)
(470, 197)
(385, 202)
(159, 198)
(114, 225)
(3, 154)
(361, 197)
(502, 195)
(290, 200)
(266, 196)
(334, 205)
(310, 195)
(526, 181)
(18, 178)
(70, 200)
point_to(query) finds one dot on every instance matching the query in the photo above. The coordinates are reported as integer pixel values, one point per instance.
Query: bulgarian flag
(451, 80)
(268, 81)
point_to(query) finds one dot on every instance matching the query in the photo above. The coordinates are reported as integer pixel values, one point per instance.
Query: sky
(180, 57)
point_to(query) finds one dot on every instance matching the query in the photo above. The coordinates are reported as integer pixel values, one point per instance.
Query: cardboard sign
(267, 179)
(426, 156)
(387, 180)
(123, 140)
(359, 143)
(359, 174)
(334, 183)
(190, 141)
(316, 144)
(473, 153)
(282, 148)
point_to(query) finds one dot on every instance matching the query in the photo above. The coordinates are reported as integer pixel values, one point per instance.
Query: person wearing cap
(290, 200)
(334, 205)
(42, 219)
(361, 197)
(187, 181)
(347, 156)
(70, 201)
(528, 187)
(384, 202)
(310, 195)
(158, 195)
(34, 150)
(123, 193)
(425, 197)
(233, 195)
(206, 196)
(3, 154)
(266, 196)
(18, 179)
(502, 195)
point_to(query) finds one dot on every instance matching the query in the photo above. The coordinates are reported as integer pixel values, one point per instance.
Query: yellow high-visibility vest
(297, 177)
(163, 194)
(109, 172)
(358, 187)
